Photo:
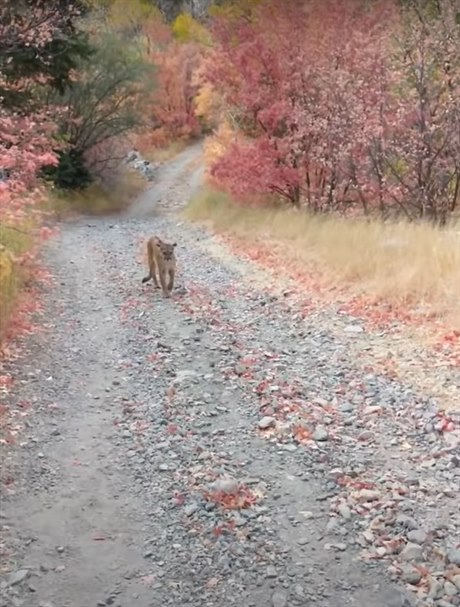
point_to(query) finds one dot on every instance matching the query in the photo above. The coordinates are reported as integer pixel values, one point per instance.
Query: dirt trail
(149, 415)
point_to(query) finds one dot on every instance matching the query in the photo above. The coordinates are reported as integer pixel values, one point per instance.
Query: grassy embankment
(14, 242)
(415, 264)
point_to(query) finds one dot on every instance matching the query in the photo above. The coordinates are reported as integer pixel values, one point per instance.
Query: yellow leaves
(187, 29)
(216, 145)
(234, 9)
(132, 14)
(399, 166)
(208, 104)
(7, 286)
(6, 266)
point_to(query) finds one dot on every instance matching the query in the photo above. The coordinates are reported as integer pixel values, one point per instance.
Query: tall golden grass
(99, 200)
(163, 154)
(13, 242)
(412, 263)
(95, 200)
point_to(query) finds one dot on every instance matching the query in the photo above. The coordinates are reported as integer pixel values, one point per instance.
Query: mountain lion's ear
(174, 244)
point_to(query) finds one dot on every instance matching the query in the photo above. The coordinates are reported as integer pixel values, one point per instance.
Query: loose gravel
(217, 448)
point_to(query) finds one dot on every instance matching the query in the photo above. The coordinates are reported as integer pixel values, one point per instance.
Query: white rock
(353, 329)
(267, 422)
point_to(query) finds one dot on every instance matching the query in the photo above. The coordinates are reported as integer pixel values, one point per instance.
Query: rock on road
(151, 418)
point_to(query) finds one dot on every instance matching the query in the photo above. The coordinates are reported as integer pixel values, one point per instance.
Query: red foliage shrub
(172, 111)
(26, 138)
(25, 147)
(341, 105)
(30, 34)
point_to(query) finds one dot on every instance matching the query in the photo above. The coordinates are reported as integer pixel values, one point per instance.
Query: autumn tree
(39, 48)
(292, 82)
(340, 105)
(423, 150)
(39, 45)
(105, 102)
(171, 109)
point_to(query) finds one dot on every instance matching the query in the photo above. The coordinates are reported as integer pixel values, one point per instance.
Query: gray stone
(344, 511)
(346, 407)
(320, 434)
(395, 598)
(411, 552)
(190, 509)
(332, 526)
(18, 576)
(366, 435)
(185, 374)
(450, 589)
(279, 599)
(290, 447)
(226, 485)
(266, 422)
(436, 589)
(299, 591)
(353, 329)
(454, 556)
(271, 572)
(411, 575)
(417, 536)
(406, 521)
(368, 495)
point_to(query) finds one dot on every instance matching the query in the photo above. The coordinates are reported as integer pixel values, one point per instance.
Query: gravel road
(217, 448)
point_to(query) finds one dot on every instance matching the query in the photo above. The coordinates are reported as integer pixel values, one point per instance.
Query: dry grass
(97, 200)
(400, 262)
(166, 153)
(15, 242)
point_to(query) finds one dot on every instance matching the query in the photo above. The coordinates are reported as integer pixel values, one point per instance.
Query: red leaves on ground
(139, 426)
(446, 423)
(453, 337)
(129, 304)
(179, 499)
(314, 294)
(241, 499)
(261, 387)
(228, 526)
(354, 484)
(302, 434)
(200, 304)
(6, 383)
(449, 348)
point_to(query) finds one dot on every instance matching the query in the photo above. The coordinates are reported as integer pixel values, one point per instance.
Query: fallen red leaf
(243, 498)
(301, 433)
